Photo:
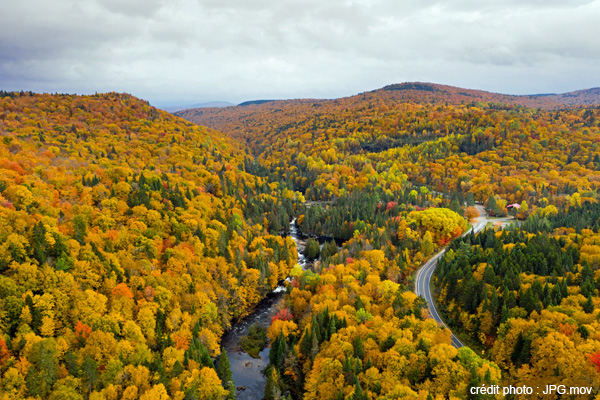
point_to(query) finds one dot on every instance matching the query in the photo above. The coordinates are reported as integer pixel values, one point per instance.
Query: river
(247, 371)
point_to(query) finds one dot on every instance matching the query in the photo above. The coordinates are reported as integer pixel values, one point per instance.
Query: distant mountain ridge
(407, 92)
(229, 120)
(215, 104)
(420, 92)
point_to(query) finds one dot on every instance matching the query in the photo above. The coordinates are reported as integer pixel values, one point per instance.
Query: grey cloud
(201, 50)
(132, 8)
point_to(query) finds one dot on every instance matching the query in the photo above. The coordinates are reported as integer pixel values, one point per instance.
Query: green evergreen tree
(89, 373)
(312, 249)
(470, 199)
(358, 393)
(43, 372)
(306, 343)
(177, 369)
(332, 327)
(588, 306)
(455, 206)
(224, 373)
(491, 205)
(359, 349)
(80, 228)
(504, 313)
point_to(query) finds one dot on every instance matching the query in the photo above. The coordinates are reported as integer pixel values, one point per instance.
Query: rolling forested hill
(129, 241)
(430, 134)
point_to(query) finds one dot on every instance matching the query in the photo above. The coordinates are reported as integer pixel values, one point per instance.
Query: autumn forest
(132, 240)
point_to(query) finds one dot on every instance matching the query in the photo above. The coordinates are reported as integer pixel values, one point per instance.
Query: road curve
(424, 274)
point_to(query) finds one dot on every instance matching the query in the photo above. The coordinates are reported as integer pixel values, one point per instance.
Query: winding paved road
(424, 274)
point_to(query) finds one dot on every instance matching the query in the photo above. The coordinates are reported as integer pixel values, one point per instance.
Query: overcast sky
(189, 51)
